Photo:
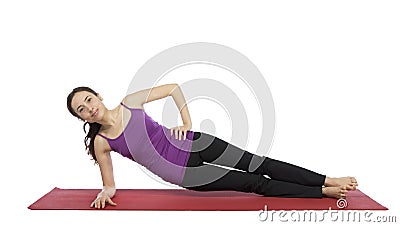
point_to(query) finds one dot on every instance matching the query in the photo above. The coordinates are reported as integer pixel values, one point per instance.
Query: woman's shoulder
(130, 102)
(101, 143)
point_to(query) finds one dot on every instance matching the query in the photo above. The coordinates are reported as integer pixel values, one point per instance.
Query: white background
(332, 67)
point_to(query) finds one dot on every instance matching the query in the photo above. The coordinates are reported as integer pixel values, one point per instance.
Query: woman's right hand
(101, 200)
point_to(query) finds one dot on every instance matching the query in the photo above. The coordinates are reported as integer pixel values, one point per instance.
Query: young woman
(183, 157)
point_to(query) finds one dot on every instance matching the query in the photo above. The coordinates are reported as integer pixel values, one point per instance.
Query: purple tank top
(151, 145)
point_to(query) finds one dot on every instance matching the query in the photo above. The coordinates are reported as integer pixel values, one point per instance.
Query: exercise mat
(182, 199)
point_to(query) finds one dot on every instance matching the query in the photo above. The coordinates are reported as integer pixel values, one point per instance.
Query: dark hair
(94, 128)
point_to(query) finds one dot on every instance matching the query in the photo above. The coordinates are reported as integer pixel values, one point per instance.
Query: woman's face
(88, 106)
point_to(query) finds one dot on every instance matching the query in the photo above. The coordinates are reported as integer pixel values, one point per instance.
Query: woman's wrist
(109, 191)
(188, 125)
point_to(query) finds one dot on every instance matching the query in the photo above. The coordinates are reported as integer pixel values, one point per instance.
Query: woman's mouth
(95, 113)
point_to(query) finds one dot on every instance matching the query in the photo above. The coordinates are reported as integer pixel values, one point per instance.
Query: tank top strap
(125, 106)
(102, 136)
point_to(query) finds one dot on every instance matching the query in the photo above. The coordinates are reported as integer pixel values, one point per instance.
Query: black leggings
(245, 171)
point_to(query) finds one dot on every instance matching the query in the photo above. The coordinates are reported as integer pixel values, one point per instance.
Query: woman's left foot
(337, 192)
(339, 181)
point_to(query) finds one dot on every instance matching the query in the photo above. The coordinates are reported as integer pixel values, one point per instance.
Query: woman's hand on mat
(180, 130)
(100, 201)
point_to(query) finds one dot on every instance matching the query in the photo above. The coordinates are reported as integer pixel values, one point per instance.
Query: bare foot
(339, 181)
(336, 191)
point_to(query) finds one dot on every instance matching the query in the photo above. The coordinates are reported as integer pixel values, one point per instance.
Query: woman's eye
(89, 99)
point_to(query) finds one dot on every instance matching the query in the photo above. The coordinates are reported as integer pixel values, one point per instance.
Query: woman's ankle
(327, 181)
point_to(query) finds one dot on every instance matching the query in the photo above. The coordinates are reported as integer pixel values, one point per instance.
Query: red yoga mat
(182, 199)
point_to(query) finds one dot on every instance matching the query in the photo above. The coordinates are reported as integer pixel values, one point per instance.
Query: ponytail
(94, 129)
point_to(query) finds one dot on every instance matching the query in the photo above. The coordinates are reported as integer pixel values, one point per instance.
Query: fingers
(95, 203)
(100, 203)
(178, 133)
(110, 201)
(182, 134)
(175, 132)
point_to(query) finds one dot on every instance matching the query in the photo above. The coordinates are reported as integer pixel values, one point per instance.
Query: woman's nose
(91, 110)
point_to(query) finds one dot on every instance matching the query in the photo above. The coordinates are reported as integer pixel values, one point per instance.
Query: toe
(353, 180)
(350, 187)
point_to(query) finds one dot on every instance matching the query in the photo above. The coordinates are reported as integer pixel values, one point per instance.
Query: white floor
(332, 68)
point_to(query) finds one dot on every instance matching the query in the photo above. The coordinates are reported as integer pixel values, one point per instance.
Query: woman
(184, 157)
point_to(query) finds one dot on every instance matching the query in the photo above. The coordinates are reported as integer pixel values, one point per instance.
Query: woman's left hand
(179, 130)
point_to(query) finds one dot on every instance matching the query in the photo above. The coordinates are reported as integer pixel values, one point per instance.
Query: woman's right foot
(337, 192)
